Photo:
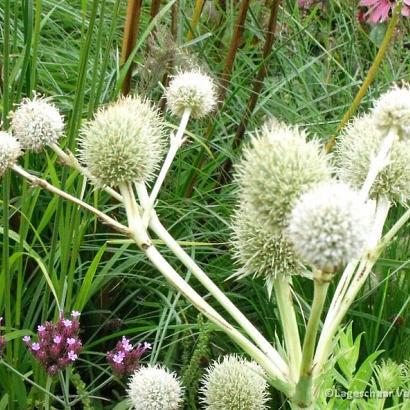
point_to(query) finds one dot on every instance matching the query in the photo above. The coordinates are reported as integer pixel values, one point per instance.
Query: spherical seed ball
(36, 123)
(155, 388)
(259, 252)
(10, 150)
(358, 145)
(234, 383)
(276, 168)
(194, 90)
(329, 226)
(392, 109)
(123, 143)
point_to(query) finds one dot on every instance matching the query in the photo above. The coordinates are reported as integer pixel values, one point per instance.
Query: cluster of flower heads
(361, 140)
(2, 341)
(234, 383)
(292, 209)
(277, 167)
(125, 358)
(58, 344)
(377, 11)
(155, 388)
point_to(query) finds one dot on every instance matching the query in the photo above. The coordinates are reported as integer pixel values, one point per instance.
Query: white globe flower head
(36, 124)
(392, 109)
(155, 388)
(260, 252)
(329, 226)
(192, 90)
(355, 149)
(234, 383)
(10, 150)
(277, 167)
(124, 142)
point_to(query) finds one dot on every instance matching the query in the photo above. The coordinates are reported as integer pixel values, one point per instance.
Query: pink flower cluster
(58, 344)
(124, 359)
(2, 341)
(379, 10)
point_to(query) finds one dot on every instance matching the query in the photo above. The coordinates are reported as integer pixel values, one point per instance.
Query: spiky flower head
(260, 252)
(389, 375)
(276, 168)
(234, 383)
(123, 143)
(155, 388)
(36, 123)
(329, 226)
(355, 149)
(193, 90)
(10, 150)
(392, 109)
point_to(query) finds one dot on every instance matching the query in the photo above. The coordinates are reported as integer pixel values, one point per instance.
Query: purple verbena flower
(124, 359)
(58, 344)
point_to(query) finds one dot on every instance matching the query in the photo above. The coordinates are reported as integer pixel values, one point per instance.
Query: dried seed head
(123, 143)
(193, 90)
(36, 124)
(277, 167)
(155, 388)
(329, 226)
(234, 383)
(10, 150)
(355, 149)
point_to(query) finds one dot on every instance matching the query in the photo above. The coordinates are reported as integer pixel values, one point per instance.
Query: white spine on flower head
(276, 168)
(124, 142)
(10, 150)
(392, 109)
(329, 226)
(191, 90)
(234, 383)
(357, 147)
(36, 124)
(155, 388)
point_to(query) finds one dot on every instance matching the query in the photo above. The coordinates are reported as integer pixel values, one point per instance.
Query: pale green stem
(287, 314)
(156, 226)
(175, 142)
(64, 389)
(333, 321)
(145, 244)
(47, 394)
(304, 389)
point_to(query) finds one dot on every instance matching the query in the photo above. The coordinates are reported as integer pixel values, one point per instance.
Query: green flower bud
(329, 226)
(193, 90)
(36, 123)
(123, 143)
(259, 252)
(234, 384)
(355, 149)
(277, 167)
(155, 388)
(9, 151)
